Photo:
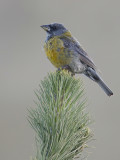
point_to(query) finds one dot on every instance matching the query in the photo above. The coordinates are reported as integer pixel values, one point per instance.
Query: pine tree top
(59, 119)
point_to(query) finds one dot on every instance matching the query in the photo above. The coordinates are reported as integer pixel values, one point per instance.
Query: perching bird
(65, 52)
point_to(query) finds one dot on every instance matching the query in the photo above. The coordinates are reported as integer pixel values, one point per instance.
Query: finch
(64, 51)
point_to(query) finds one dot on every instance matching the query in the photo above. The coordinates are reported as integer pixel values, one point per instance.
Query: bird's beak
(45, 27)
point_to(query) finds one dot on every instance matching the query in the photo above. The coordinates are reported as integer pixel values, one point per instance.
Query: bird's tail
(95, 77)
(105, 88)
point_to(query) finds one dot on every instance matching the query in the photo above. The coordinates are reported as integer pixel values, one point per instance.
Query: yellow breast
(56, 53)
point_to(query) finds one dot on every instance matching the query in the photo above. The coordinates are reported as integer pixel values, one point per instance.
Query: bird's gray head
(54, 29)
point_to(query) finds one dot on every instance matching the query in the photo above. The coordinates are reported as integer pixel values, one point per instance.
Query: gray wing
(72, 45)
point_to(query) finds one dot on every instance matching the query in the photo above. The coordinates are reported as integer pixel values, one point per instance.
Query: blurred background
(23, 63)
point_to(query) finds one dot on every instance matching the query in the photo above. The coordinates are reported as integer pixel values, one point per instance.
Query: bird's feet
(66, 67)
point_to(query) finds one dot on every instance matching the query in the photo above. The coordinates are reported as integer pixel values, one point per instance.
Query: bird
(65, 52)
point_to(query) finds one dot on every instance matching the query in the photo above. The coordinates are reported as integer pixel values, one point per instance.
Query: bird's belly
(57, 54)
(57, 59)
(76, 66)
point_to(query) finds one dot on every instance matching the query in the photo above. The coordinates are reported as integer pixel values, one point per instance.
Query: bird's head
(54, 29)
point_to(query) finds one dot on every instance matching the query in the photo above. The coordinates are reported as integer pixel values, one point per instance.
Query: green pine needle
(59, 120)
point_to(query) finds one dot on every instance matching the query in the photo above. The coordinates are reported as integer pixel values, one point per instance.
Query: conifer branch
(59, 119)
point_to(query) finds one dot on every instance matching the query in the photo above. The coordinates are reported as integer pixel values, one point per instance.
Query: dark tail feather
(95, 77)
(105, 88)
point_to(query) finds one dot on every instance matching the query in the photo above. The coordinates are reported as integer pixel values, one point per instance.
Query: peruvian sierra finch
(65, 52)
